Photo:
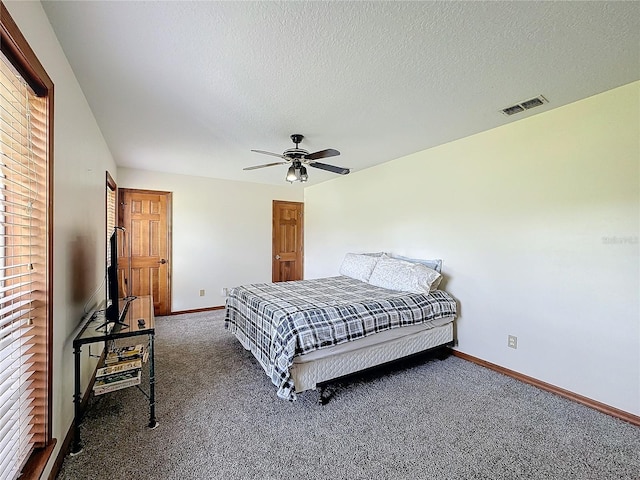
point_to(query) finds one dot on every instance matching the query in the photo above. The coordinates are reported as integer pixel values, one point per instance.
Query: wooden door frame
(169, 213)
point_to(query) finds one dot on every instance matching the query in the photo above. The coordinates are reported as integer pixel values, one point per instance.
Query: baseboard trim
(66, 444)
(197, 310)
(62, 453)
(601, 407)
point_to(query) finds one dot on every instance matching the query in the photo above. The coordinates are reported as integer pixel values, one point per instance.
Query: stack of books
(122, 369)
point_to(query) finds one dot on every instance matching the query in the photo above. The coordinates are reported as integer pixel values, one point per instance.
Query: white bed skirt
(327, 364)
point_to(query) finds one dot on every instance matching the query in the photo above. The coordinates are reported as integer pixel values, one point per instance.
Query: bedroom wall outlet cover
(202, 293)
(225, 292)
(513, 341)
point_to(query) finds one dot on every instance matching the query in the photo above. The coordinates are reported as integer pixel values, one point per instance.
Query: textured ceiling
(192, 87)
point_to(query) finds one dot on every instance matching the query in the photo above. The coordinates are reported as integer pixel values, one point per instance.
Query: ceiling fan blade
(265, 165)
(269, 153)
(330, 168)
(329, 152)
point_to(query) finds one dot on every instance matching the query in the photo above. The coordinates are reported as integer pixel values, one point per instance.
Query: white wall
(81, 158)
(221, 232)
(537, 222)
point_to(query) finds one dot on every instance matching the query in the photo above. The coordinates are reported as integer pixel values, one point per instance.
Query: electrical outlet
(225, 292)
(202, 292)
(512, 342)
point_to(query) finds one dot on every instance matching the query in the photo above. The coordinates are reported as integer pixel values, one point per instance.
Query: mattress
(309, 370)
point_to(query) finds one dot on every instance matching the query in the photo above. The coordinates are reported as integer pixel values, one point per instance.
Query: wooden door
(146, 217)
(287, 255)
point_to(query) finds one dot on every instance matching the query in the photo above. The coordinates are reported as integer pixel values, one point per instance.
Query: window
(111, 212)
(26, 101)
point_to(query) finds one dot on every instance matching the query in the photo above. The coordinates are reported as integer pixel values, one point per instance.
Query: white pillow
(358, 266)
(395, 274)
(375, 254)
(435, 264)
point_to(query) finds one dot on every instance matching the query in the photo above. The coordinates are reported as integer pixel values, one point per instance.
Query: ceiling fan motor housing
(295, 153)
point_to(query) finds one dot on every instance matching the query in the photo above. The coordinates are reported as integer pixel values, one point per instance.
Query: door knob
(277, 257)
(162, 261)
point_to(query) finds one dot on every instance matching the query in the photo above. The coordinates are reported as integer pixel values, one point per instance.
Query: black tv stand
(141, 307)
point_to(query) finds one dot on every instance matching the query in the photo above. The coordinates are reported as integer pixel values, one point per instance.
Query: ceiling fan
(298, 158)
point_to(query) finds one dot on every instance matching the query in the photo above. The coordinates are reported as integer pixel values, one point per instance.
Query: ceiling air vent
(526, 105)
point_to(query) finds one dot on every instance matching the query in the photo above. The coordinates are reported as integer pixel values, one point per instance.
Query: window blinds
(23, 271)
(111, 212)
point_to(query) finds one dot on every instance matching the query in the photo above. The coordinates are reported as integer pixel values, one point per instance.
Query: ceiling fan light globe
(291, 174)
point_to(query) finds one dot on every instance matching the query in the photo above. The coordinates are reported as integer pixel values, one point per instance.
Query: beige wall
(537, 222)
(226, 225)
(221, 232)
(81, 158)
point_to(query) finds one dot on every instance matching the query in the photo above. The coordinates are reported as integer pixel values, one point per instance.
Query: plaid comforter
(277, 321)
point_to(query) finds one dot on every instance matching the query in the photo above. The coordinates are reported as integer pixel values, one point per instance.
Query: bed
(308, 332)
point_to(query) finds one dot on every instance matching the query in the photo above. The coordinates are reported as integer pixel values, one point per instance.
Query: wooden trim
(601, 407)
(62, 453)
(170, 248)
(37, 462)
(16, 48)
(198, 310)
(110, 182)
(153, 192)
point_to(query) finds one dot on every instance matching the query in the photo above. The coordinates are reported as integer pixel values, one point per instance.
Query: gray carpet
(431, 419)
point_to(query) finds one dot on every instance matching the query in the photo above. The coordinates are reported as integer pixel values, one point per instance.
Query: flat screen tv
(117, 305)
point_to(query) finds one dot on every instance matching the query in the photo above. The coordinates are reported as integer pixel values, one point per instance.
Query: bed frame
(317, 371)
